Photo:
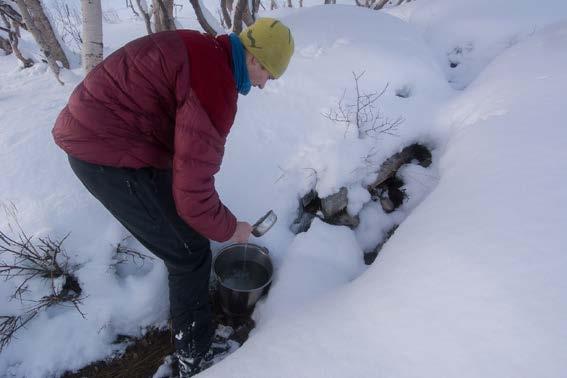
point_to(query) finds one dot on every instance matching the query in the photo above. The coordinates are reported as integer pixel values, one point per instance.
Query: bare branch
(68, 21)
(24, 259)
(38, 24)
(241, 6)
(380, 4)
(10, 12)
(225, 14)
(32, 260)
(9, 325)
(201, 18)
(13, 21)
(124, 254)
(364, 113)
(145, 13)
(131, 6)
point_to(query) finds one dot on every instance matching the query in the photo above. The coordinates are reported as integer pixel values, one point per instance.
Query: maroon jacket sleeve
(198, 152)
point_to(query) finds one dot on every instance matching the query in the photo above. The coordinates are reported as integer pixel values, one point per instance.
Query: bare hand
(242, 232)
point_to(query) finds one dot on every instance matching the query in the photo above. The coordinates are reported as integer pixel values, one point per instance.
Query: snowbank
(472, 283)
(466, 35)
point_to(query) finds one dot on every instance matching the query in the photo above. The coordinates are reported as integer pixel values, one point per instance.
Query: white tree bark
(92, 33)
(205, 18)
(224, 4)
(163, 15)
(36, 22)
(380, 4)
(143, 7)
(10, 45)
(42, 31)
(242, 13)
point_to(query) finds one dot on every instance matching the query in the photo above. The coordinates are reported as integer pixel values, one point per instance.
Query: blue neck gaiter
(239, 65)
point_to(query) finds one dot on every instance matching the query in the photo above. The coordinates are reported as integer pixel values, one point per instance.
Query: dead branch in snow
(125, 254)
(11, 324)
(23, 258)
(363, 113)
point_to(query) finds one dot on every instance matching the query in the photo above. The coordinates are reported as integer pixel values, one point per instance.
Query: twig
(363, 113)
(123, 254)
(30, 259)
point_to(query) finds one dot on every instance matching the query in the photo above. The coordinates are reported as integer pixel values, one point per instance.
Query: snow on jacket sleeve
(197, 158)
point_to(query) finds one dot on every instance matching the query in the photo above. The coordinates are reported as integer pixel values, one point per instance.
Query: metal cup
(264, 224)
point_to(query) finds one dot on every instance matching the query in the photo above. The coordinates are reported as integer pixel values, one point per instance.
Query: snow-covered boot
(221, 346)
(192, 342)
(191, 363)
(188, 366)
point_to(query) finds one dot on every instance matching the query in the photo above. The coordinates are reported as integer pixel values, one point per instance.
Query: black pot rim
(260, 249)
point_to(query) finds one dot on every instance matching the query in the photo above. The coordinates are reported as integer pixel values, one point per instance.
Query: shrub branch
(26, 259)
(363, 113)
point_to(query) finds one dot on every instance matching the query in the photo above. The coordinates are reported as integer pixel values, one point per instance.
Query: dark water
(245, 275)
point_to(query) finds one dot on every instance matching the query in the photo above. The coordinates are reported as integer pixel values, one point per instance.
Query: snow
(473, 33)
(164, 370)
(317, 262)
(471, 283)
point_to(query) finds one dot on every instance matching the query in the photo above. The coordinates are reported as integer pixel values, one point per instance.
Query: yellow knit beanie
(271, 43)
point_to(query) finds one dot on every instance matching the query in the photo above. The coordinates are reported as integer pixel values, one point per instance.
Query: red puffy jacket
(166, 100)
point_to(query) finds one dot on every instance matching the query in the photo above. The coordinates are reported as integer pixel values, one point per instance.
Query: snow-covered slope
(469, 285)
(466, 35)
(472, 283)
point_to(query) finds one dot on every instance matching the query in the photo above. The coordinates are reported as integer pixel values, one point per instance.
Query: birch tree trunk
(12, 20)
(27, 62)
(238, 15)
(42, 30)
(37, 31)
(242, 13)
(5, 43)
(225, 12)
(380, 4)
(92, 33)
(14, 37)
(143, 7)
(205, 18)
(163, 15)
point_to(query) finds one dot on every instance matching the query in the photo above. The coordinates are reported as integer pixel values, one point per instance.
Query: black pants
(142, 200)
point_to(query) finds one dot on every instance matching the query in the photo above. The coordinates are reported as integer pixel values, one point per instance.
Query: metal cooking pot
(244, 273)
